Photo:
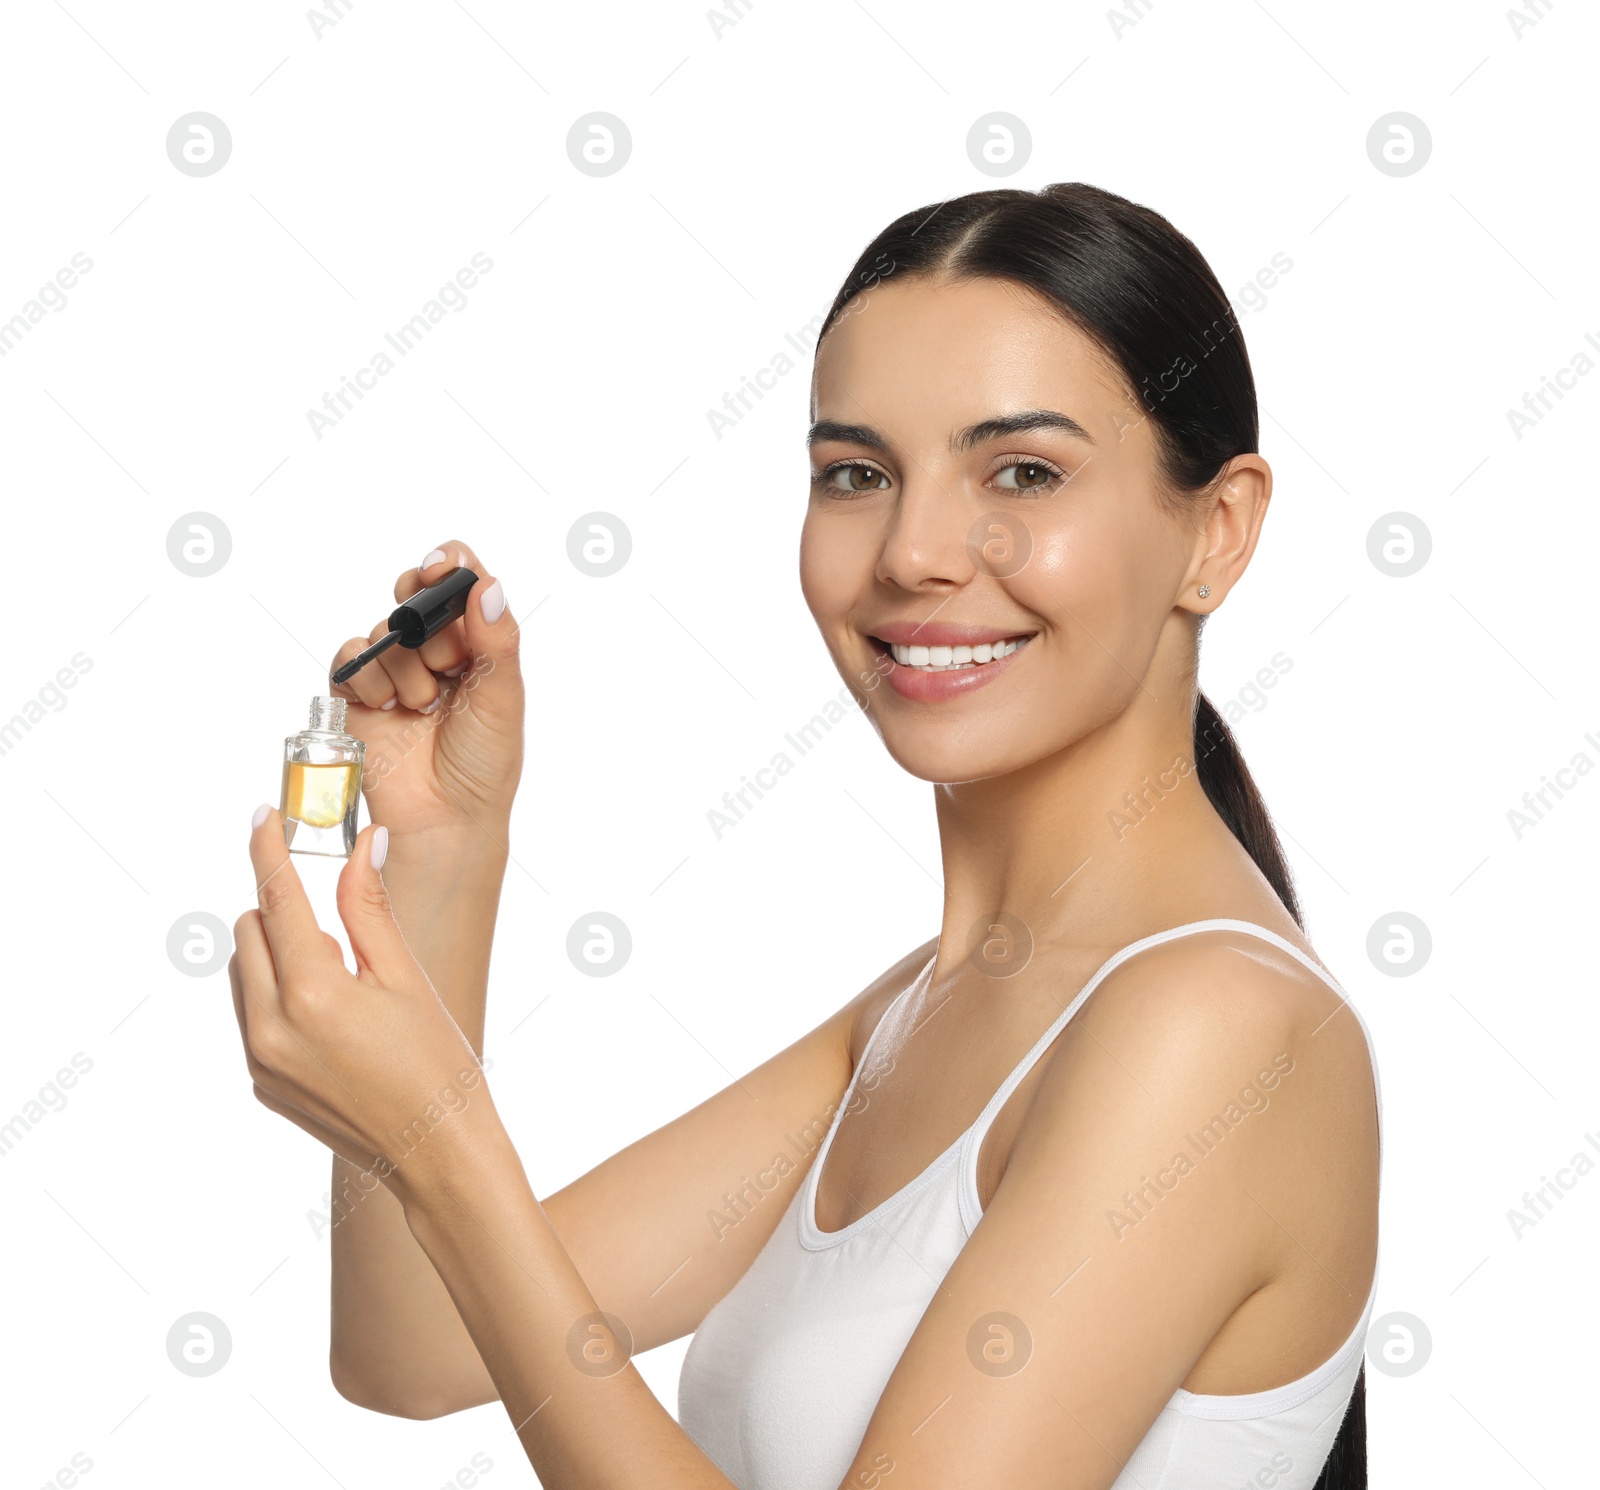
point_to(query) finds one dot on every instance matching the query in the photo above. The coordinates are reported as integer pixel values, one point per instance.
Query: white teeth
(946, 659)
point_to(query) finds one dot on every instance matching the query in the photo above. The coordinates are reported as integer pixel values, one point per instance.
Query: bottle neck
(328, 714)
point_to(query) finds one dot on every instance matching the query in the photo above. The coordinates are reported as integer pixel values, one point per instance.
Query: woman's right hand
(442, 752)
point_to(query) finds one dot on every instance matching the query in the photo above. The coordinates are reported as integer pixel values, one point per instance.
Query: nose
(926, 547)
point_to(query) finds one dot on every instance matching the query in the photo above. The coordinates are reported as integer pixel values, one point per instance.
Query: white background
(368, 165)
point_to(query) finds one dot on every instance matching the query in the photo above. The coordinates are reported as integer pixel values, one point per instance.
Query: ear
(1236, 508)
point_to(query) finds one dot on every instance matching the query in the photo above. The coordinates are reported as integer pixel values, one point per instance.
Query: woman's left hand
(370, 1062)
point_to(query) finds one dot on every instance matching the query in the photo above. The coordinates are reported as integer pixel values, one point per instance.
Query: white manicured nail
(494, 603)
(429, 708)
(388, 703)
(260, 814)
(433, 558)
(379, 851)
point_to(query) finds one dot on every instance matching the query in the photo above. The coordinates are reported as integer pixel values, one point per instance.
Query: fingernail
(494, 603)
(433, 557)
(379, 850)
(388, 703)
(429, 708)
(458, 669)
(260, 814)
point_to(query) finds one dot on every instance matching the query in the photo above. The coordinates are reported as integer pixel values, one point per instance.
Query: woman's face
(927, 529)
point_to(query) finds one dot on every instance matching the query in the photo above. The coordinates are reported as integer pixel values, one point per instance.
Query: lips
(941, 677)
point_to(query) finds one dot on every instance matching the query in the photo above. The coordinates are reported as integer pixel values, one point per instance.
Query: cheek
(1071, 573)
(1084, 577)
(835, 565)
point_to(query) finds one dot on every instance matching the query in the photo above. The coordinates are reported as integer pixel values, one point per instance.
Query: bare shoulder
(1183, 1048)
(1218, 1000)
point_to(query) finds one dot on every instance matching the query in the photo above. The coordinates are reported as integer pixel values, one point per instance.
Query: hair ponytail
(1143, 292)
(1232, 790)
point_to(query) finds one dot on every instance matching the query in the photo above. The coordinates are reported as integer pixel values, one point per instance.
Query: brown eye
(857, 478)
(1027, 475)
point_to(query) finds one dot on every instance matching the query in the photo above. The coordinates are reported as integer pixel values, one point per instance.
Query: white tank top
(782, 1376)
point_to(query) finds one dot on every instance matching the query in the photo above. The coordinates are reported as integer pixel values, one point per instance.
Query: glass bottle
(322, 783)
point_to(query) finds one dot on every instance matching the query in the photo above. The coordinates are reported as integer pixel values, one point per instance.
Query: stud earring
(1204, 591)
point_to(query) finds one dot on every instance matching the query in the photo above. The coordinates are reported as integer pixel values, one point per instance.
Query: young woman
(1081, 1192)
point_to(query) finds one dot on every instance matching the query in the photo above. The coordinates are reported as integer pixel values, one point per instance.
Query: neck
(1110, 838)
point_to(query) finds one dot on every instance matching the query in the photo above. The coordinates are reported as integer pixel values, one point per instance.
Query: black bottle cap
(431, 610)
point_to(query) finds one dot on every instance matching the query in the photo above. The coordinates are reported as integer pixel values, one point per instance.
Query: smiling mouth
(950, 659)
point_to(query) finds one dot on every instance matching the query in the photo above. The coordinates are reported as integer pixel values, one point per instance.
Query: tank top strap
(974, 1136)
(884, 1022)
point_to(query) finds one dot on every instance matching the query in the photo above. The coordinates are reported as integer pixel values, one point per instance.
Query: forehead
(942, 353)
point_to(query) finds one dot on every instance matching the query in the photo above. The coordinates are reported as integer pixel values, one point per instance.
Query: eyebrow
(964, 439)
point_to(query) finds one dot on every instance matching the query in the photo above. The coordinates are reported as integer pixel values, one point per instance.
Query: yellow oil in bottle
(319, 796)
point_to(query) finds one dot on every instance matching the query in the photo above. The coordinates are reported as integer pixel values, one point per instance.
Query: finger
(254, 973)
(451, 554)
(236, 984)
(380, 949)
(447, 651)
(256, 1002)
(293, 937)
(371, 686)
(250, 964)
(494, 639)
(415, 686)
(434, 565)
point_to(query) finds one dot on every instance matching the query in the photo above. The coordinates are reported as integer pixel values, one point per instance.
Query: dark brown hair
(1141, 291)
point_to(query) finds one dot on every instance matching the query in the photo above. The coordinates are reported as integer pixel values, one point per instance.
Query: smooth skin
(454, 1284)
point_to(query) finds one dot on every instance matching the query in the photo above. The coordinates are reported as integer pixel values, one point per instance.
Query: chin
(949, 762)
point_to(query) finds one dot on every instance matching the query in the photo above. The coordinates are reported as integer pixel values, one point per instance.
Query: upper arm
(1077, 1308)
(662, 1229)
